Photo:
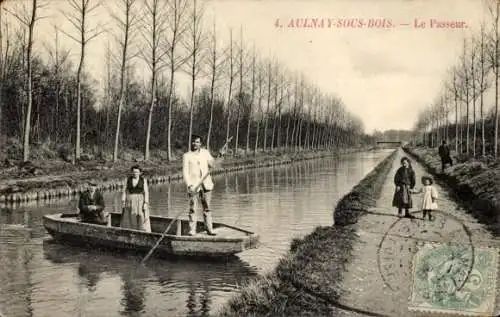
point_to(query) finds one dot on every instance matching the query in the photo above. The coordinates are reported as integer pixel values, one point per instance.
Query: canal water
(39, 277)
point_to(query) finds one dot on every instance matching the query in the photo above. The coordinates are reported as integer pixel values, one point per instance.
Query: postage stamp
(450, 279)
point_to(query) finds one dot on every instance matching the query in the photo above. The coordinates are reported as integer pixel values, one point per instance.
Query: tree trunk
(456, 123)
(240, 99)
(212, 103)
(278, 133)
(260, 112)
(268, 105)
(170, 105)
(191, 105)
(2, 78)
(251, 104)
(275, 110)
(497, 73)
(231, 78)
(123, 67)
(212, 87)
(481, 96)
(27, 123)
(150, 115)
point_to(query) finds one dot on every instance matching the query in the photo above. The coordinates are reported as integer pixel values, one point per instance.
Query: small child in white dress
(429, 198)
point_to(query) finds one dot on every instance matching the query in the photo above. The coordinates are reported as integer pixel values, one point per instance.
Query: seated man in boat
(196, 164)
(91, 206)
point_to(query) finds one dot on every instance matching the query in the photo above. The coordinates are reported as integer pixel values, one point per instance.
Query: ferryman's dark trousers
(444, 161)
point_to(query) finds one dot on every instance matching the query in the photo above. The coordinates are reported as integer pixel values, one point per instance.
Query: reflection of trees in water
(134, 290)
(191, 281)
(17, 251)
(201, 279)
(256, 187)
(236, 184)
(247, 179)
(198, 302)
(24, 214)
(226, 183)
(6, 216)
(90, 275)
(273, 172)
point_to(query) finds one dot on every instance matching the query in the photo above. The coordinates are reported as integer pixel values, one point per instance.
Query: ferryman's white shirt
(195, 167)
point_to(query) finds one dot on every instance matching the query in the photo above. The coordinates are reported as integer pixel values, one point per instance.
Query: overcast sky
(385, 76)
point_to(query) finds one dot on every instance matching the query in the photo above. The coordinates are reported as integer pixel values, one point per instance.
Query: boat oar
(221, 152)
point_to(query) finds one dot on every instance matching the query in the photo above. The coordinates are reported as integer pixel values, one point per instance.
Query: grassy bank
(363, 195)
(476, 182)
(307, 281)
(51, 178)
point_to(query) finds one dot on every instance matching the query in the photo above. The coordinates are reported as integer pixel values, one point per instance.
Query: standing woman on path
(135, 202)
(405, 182)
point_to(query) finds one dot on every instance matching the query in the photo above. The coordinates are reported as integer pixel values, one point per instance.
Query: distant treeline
(394, 135)
(460, 113)
(47, 100)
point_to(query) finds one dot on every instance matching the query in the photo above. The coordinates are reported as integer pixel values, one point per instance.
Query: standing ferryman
(195, 168)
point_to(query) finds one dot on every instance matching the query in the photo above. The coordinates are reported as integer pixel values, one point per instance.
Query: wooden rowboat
(229, 239)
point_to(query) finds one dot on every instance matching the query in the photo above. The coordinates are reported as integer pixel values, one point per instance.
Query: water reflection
(199, 305)
(167, 281)
(134, 290)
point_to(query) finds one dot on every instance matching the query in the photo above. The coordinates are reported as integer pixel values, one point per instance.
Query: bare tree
(269, 84)
(4, 56)
(28, 21)
(260, 112)
(78, 16)
(295, 110)
(241, 98)
(2, 73)
(215, 62)
(298, 125)
(127, 22)
(474, 77)
(154, 28)
(178, 26)
(456, 94)
(495, 63)
(466, 85)
(483, 71)
(291, 112)
(196, 49)
(108, 96)
(58, 58)
(310, 105)
(231, 76)
(252, 98)
(277, 88)
(283, 94)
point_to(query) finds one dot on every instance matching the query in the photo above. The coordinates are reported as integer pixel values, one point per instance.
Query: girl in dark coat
(405, 182)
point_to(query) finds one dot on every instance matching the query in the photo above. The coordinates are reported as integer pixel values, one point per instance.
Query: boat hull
(71, 230)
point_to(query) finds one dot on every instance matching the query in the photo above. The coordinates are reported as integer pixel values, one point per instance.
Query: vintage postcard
(249, 158)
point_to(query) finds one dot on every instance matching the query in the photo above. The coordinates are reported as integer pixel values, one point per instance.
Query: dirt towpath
(378, 280)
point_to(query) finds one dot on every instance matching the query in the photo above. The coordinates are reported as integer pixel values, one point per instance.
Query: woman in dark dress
(405, 182)
(135, 202)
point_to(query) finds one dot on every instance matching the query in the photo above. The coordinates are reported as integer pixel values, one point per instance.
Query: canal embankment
(475, 182)
(308, 280)
(59, 183)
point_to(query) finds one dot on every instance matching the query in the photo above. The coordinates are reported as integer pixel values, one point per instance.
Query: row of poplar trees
(461, 113)
(47, 95)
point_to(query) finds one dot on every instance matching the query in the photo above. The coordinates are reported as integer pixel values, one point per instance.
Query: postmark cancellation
(453, 279)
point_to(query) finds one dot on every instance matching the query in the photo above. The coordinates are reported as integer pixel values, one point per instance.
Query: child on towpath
(429, 197)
